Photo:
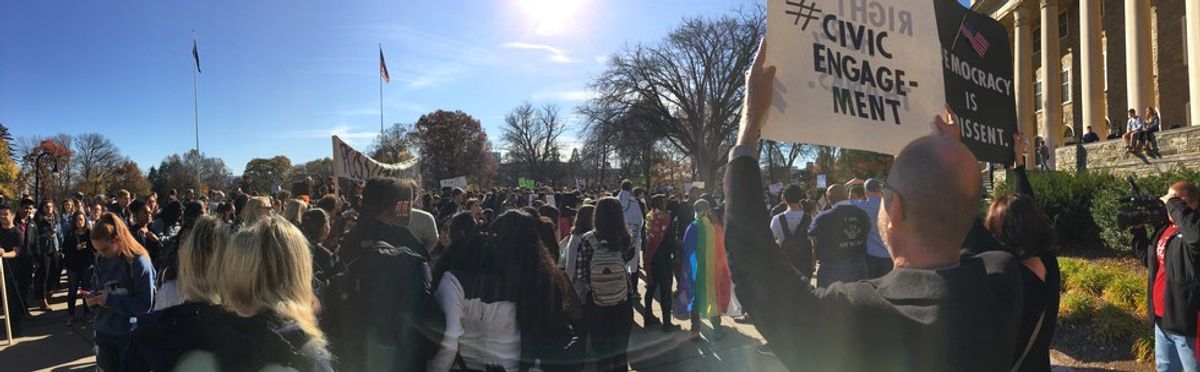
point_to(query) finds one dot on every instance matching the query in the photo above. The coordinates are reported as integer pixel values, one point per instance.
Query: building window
(1064, 25)
(1066, 85)
(1037, 94)
(1037, 40)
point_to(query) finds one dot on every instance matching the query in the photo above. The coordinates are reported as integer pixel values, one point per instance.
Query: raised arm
(1017, 173)
(779, 298)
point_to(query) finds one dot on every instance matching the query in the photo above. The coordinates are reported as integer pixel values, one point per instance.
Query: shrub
(1066, 198)
(1112, 324)
(1127, 291)
(1083, 205)
(1091, 279)
(1076, 306)
(1143, 347)
(1068, 268)
(1105, 205)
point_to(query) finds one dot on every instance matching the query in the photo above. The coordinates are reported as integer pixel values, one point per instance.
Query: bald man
(1172, 256)
(934, 312)
(839, 239)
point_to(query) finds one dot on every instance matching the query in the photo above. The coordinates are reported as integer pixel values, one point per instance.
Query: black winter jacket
(1183, 269)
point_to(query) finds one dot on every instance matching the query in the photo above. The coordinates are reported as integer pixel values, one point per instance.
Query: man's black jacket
(1182, 298)
(962, 318)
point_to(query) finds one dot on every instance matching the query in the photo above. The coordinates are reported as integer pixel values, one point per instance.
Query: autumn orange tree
(453, 144)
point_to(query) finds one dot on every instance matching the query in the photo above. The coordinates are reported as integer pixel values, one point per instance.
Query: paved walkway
(48, 344)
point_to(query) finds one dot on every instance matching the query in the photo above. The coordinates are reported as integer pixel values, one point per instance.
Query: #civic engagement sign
(871, 74)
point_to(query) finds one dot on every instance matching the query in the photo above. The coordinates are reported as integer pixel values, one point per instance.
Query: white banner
(352, 164)
(861, 76)
(456, 182)
(776, 188)
(821, 182)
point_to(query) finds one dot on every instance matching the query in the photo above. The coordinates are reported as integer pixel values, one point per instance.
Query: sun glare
(550, 17)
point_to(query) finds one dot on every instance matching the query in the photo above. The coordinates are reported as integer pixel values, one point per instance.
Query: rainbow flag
(709, 286)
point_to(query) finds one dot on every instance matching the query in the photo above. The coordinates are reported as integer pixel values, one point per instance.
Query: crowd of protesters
(902, 273)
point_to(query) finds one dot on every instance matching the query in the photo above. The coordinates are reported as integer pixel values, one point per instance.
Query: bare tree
(781, 157)
(97, 159)
(687, 90)
(531, 137)
(396, 145)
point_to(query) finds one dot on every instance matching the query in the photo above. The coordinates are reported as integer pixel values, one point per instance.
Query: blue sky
(280, 76)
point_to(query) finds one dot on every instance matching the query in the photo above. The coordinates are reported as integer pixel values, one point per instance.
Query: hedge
(1083, 206)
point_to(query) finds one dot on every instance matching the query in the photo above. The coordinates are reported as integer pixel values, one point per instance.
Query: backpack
(373, 319)
(608, 279)
(796, 245)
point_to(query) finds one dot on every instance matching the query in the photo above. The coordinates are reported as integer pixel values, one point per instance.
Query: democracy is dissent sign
(871, 74)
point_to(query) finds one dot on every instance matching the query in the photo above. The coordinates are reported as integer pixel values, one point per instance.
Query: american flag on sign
(976, 39)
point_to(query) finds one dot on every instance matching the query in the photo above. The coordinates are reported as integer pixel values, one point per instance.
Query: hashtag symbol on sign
(805, 9)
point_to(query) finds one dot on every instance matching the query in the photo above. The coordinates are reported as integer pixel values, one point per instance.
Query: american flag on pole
(196, 55)
(383, 68)
(978, 42)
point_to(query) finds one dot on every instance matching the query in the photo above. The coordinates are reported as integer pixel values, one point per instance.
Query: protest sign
(526, 183)
(776, 188)
(871, 74)
(456, 182)
(352, 164)
(821, 181)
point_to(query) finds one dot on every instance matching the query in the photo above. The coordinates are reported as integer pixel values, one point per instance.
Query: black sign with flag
(978, 64)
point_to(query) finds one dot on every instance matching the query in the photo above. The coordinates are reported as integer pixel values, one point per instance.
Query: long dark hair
(1016, 221)
(538, 285)
(583, 220)
(610, 224)
(466, 247)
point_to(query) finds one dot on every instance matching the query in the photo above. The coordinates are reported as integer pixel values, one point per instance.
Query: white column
(1137, 55)
(1023, 77)
(1091, 67)
(1052, 128)
(1192, 10)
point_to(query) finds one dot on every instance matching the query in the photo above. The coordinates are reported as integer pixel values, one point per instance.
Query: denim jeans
(76, 280)
(845, 271)
(1174, 352)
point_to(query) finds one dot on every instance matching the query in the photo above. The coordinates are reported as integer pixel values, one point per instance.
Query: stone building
(1111, 55)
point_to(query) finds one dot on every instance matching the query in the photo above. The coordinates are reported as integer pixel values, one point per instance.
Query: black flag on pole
(196, 55)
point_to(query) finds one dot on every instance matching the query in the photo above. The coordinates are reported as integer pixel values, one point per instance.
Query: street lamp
(37, 174)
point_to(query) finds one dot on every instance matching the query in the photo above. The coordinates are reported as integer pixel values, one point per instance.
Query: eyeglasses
(888, 193)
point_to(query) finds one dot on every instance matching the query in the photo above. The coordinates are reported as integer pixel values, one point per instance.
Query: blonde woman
(256, 208)
(294, 210)
(124, 288)
(265, 288)
(193, 283)
(166, 335)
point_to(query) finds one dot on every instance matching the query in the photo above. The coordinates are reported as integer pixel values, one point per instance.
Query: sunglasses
(890, 192)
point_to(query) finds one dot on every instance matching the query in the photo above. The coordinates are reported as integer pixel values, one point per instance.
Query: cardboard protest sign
(871, 74)
(456, 182)
(352, 164)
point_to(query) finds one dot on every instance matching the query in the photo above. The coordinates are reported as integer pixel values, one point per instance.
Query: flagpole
(381, 97)
(196, 112)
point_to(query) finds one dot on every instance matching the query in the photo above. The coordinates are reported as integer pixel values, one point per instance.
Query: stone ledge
(1177, 147)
